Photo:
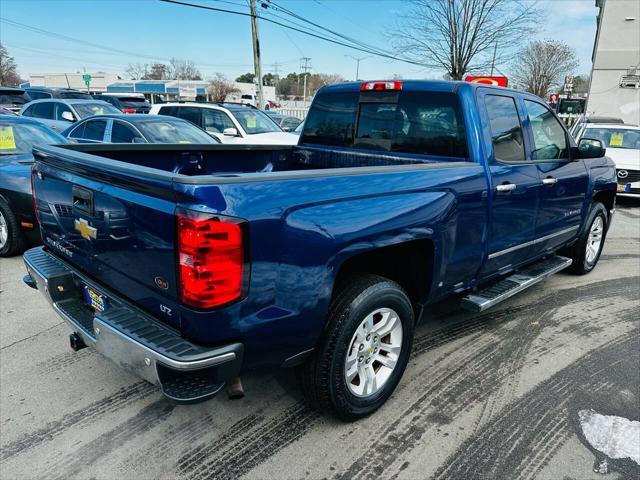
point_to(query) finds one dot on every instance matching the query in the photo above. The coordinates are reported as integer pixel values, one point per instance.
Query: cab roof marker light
(381, 86)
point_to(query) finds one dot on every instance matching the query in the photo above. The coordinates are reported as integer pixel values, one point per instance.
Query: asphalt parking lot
(498, 395)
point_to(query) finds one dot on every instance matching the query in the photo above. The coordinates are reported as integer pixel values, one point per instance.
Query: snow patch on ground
(615, 437)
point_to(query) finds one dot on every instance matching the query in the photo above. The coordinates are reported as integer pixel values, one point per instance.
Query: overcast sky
(148, 30)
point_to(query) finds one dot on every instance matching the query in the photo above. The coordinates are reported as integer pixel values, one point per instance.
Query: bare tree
(542, 65)
(8, 68)
(180, 69)
(137, 71)
(158, 71)
(461, 36)
(220, 88)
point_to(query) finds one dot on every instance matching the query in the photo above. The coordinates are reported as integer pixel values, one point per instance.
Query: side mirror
(68, 116)
(286, 129)
(590, 148)
(230, 132)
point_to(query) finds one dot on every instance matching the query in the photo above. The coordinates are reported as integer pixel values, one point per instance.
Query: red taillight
(128, 110)
(33, 194)
(210, 260)
(381, 86)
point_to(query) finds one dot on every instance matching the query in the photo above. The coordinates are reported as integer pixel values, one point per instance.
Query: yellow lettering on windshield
(7, 140)
(616, 139)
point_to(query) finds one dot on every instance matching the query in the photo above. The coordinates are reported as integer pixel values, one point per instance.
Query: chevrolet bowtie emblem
(86, 230)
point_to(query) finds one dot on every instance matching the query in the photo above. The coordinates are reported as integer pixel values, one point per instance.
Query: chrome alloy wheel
(4, 231)
(373, 352)
(594, 240)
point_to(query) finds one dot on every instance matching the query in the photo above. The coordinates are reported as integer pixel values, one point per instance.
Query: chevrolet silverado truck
(190, 264)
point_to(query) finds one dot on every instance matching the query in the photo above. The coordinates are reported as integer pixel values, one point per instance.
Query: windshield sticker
(616, 139)
(7, 140)
(251, 121)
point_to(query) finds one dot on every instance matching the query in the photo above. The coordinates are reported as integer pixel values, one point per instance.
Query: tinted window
(506, 132)
(77, 132)
(549, 139)
(215, 121)
(79, 95)
(42, 110)
(60, 109)
(331, 119)
(122, 133)
(13, 98)
(94, 130)
(191, 114)
(133, 99)
(171, 111)
(38, 95)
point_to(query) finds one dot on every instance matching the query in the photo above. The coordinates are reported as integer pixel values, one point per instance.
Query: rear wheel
(11, 238)
(585, 253)
(365, 349)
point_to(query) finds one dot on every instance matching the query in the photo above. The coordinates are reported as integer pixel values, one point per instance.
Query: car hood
(273, 138)
(626, 158)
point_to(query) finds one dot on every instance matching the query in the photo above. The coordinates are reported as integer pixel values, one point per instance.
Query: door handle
(549, 181)
(506, 187)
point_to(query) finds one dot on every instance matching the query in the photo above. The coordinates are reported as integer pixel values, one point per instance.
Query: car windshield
(17, 98)
(615, 137)
(173, 131)
(85, 110)
(254, 121)
(19, 138)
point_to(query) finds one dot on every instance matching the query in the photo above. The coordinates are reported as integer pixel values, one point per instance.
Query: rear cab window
(414, 122)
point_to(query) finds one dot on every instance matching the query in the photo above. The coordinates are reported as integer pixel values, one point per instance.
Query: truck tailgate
(117, 227)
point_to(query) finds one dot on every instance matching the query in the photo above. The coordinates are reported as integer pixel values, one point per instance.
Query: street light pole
(256, 53)
(357, 59)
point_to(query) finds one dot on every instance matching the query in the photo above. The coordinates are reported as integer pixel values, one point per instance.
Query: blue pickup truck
(190, 264)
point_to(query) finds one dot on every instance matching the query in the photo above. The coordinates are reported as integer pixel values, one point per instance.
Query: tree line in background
(176, 69)
(8, 69)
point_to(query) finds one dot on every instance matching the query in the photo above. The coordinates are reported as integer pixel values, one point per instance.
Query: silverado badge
(86, 230)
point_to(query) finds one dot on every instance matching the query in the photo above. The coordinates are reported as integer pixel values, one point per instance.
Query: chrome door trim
(532, 242)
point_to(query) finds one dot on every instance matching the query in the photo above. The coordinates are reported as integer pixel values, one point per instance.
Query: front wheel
(365, 350)
(585, 253)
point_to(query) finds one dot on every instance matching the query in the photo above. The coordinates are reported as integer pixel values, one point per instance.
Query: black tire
(323, 378)
(15, 239)
(578, 251)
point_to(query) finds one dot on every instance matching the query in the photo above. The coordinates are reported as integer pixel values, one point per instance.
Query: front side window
(94, 130)
(122, 133)
(506, 131)
(215, 121)
(60, 109)
(549, 139)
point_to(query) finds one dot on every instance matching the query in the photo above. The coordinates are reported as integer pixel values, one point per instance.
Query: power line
(337, 42)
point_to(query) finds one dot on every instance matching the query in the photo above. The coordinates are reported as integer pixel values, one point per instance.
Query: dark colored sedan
(137, 129)
(126, 103)
(18, 223)
(285, 122)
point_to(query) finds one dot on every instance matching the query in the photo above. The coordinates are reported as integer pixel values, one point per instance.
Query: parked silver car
(59, 113)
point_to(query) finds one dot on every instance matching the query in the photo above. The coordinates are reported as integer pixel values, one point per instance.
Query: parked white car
(623, 147)
(229, 123)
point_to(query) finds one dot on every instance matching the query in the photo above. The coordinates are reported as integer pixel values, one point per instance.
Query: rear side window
(191, 114)
(38, 95)
(332, 119)
(506, 131)
(171, 111)
(42, 110)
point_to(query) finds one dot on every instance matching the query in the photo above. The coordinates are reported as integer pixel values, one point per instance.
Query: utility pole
(493, 62)
(256, 53)
(358, 60)
(305, 67)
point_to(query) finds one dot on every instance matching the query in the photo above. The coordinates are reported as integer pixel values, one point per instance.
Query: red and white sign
(494, 81)
(553, 98)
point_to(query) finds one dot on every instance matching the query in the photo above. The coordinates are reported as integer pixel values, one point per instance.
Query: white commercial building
(98, 83)
(615, 78)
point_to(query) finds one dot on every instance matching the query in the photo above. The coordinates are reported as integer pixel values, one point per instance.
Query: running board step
(509, 286)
